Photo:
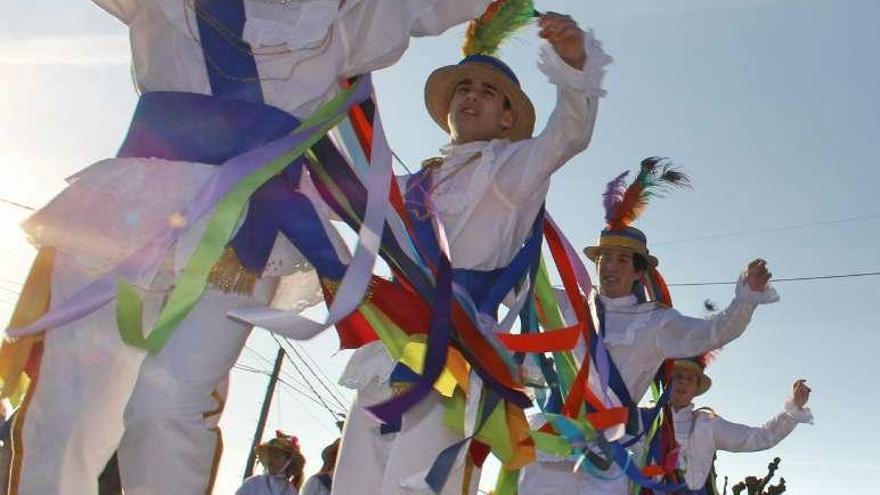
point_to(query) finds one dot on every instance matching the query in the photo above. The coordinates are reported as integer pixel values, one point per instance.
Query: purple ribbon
(145, 261)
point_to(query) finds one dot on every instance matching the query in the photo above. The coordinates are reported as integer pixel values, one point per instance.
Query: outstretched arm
(575, 62)
(375, 33)
(123, 10)
(682, 336)
(734, 437)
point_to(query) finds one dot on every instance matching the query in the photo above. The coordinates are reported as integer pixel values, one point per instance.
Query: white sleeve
(123, 10)
(311, 487)
(248, 487)
(683, 336)
(570, 126)
(734, 437)
(375, 33)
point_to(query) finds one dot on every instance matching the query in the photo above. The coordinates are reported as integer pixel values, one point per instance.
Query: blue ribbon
(206, 129)
(439, 472)
(229, 60)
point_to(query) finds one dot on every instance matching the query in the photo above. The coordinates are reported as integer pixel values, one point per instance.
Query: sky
(772, 107)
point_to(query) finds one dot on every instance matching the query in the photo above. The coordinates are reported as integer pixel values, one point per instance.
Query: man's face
(685, 384)
(477, 112)
(616, 272)
(275, 460)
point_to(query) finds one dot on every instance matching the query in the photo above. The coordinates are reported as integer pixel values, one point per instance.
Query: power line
(291, 387)
(250, 369)
(769, 230)
(309, 385)
(270, 363)
(312, 414)
(278, 406)
(280, 380)
(16, 204)
(334, 394)
(778, 280)
(11, 291)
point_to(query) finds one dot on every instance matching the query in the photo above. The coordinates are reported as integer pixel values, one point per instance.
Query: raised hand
(565, 36)
(757, 275)
(801, 393)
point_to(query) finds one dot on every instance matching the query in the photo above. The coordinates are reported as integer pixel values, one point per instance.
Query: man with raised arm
(218, 79)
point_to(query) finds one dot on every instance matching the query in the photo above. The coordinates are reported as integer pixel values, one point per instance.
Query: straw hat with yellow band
(627, 238)
(698, 366)
(484, 35)
(624, 204)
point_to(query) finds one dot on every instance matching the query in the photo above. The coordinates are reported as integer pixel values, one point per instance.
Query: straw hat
(282, 442)
(628, 238)
(442, 82)
(698, 366)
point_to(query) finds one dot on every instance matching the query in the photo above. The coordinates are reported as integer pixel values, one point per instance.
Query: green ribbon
(508, 482)
(551, 444)
(565, 364)
(220, 229)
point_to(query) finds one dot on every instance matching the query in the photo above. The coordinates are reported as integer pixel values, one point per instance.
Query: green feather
(501, 19)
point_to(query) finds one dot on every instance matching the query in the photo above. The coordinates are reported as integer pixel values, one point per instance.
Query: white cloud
(81, 50)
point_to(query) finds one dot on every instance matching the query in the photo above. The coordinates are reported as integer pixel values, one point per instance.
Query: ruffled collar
(457, 150)
(619, 302)
(684, 413)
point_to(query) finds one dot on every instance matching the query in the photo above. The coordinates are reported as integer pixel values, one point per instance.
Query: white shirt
(314, 487)
(702, 432)
(266, 484)
(639, 337)
(302, 48)
(488, 209)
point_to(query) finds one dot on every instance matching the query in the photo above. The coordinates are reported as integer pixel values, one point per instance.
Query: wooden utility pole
(264, 413)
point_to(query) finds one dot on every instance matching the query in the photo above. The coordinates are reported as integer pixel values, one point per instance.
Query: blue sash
(213, 129)
(229, 60)
(206, 129)
(487, 289)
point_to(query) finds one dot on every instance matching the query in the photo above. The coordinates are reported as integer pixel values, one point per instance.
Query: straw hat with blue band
(442, 82)
(484, 36)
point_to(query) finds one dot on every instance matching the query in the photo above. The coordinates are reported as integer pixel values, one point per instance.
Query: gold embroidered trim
(331, 286)
(228, 275)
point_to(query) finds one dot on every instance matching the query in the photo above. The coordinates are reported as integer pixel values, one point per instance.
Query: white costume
(88, 377)
(639, 337)
(701, 433)
(487, 210)
(266, 484)
(314, 486)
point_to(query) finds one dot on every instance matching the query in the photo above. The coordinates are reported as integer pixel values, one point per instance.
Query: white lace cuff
(588, 80)
(745, 293)
(800, 415)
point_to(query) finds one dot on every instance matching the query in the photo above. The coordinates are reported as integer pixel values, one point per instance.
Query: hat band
(618, 241)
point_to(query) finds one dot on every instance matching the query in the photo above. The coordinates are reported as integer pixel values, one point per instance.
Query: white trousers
(370, 463)
(94, 395)
(364, 451)
(558, 478)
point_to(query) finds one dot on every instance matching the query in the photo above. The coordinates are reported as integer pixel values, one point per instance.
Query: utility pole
(264, 413)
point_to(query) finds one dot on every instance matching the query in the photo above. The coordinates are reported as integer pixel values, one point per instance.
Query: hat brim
(593, 252)
(705, 381)
(262, 449)
(441, 84)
